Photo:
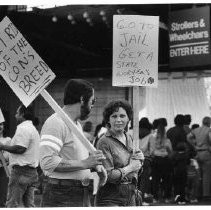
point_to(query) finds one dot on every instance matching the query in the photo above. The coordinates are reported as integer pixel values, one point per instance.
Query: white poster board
(135, 50)
(1, 117)
(20, 66)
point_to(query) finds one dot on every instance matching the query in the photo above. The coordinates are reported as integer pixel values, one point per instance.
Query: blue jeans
(59, 195)
(4, 185)
(116, 195)
(21, 187)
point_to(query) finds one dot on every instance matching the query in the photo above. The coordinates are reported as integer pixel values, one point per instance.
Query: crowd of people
(171, 165)
(177, 161)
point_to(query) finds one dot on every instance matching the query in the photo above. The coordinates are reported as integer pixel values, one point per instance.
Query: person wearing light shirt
(24, 159)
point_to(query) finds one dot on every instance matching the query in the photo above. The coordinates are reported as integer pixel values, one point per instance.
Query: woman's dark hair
(161, 130)
(114, 106)
(155, 124)
(187, 119)
(163, 121)
(97, 129)
(27, 112)
(179, 120)
(194, 126)
(75, 89)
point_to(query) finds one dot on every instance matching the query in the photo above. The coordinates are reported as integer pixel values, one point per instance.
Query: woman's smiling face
(118, 120)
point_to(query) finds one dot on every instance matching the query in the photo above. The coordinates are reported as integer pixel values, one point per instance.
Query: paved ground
(202, 202)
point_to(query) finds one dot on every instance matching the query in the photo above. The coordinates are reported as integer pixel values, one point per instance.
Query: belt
(25, 167)
(70, 182)
(201, 150)
(127, 182)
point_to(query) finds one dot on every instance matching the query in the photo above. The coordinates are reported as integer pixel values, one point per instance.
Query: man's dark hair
(75, 89)
(27, 112)
(179, 120)
(114, 106)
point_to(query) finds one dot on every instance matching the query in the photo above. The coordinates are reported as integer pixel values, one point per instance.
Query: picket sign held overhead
(1, 117)
(20, 66)
(27, 74)
(135, 57)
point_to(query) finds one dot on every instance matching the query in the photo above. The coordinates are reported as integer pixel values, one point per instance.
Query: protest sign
(20, 66)
(1, 117)
(135, 50)
(135, 58)
(27, 74)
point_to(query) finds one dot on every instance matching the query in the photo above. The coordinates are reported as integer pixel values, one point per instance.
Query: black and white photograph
(105, 104)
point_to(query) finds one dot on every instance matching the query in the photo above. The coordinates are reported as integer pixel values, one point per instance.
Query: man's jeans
(70, 195)
(21, 187)
(3, 185)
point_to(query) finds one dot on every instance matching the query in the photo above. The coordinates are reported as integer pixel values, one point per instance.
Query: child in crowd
(192, 180)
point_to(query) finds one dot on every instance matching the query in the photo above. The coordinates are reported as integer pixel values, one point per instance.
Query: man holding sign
(63, 158)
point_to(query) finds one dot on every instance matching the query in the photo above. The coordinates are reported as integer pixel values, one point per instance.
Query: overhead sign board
(135, 50)
(21, 67)
(189, 37)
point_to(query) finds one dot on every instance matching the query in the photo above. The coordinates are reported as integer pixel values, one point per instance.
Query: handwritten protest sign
(21, 67)
(135, 50)
(1, 117)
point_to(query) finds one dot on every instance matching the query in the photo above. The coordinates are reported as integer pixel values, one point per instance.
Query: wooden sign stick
(70, 124)
(4, 164)
(135, 118)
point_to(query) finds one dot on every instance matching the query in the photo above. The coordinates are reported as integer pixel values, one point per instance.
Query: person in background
(201, 139)
(180, 163)
(177, 133)
(187, 122)
(63, 158)
(121, 164)
(3, 175)
(192, 180)
(144, 185)
(100, 130)
(161, 150)
(194, 126)
(87, 129)
(24, 158)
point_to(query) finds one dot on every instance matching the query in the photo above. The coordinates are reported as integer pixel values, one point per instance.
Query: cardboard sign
(1, 117)
(20, 66)
(189, 37)
(135, 50)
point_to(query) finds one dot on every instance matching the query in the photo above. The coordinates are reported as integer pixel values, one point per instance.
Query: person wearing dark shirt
(121, 164)
(177, 133)
(181, 160)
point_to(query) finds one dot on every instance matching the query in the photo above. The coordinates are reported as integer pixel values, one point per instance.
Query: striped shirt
(57, 143)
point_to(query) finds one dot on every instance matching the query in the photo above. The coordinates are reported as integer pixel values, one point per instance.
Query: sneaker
(167, 200)
(181, 202)
(194, 200)
(145, 204)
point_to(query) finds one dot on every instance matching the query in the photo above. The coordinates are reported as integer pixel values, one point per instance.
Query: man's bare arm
(74, 165)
